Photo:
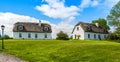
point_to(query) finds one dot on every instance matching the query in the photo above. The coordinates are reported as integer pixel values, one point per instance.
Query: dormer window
(46, 28)
(20, 27)
(105, 30)
(89, 28)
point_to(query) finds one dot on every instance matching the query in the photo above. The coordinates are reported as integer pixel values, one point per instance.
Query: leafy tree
(114, 18)
(117, 31)
(112, 37)
(62, 36)
(102, 22)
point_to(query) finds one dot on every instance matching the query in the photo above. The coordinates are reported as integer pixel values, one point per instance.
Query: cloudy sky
(61, 14)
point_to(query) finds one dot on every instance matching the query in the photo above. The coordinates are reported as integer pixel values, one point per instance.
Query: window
(105, 30)
(77, 28)
(20, 35)
(104, 36)
(20, 27)
(89, 28)
(45, 35)
(36, 36)
(29, 35)
(95, 36)
(88, 35)
(99, 37)
(46, 28)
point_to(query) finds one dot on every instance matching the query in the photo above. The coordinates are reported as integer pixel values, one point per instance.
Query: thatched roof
(31, 27)
(87, 27)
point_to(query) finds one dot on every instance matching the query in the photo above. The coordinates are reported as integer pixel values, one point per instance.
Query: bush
(112, 37)
(62, 36)
(6, 37)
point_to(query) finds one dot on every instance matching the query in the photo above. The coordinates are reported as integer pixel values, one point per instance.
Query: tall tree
(114, 18)
(102, 22)
(62, 36)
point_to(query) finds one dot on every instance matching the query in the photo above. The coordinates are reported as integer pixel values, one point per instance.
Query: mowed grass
(63, 51)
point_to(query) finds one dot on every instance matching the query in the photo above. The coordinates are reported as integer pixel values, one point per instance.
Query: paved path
(9, 58)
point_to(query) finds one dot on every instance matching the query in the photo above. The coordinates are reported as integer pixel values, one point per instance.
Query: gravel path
(9, 58)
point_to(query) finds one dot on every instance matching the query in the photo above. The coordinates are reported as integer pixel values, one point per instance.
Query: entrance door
(99, 37)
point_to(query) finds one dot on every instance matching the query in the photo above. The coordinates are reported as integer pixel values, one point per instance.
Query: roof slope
(32, 27)
(87, 27)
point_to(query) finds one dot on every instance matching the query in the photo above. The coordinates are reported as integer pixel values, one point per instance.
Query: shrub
(112, 37)
(62, 36)
(6, 37)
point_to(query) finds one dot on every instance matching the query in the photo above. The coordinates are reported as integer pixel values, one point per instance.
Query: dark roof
(88, 27)
(32, 27)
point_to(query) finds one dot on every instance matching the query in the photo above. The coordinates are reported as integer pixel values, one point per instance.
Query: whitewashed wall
(78, 32)
(92, 36)
(25, 35)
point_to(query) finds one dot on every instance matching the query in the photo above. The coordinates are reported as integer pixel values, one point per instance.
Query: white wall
(25, 35)
(92, 36)
(78, 32)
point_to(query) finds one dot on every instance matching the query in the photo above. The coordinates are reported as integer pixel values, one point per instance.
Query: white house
(27, 30)
(86, 31)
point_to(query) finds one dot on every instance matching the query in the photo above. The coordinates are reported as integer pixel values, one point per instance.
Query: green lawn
(63, 51)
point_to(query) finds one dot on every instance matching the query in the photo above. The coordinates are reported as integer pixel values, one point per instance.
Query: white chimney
(97, 24)
(39, 22)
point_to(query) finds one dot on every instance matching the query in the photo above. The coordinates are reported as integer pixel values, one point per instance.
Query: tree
(62, 36)
(102, 22)
(117, 31)
(114, 17)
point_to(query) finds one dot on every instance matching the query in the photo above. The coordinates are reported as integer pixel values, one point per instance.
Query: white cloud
(94, 3)
(106, 5)
(57, 9)
(85, 3)
(110, 3)
(89, 3)
(8, 19)
(112, 29)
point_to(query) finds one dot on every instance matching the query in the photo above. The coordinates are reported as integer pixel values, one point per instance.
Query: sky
(61, 14)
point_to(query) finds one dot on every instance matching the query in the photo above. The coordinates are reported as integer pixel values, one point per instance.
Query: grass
(63, 51)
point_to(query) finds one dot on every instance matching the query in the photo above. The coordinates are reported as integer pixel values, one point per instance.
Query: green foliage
(0, 36)
(102, 22)
(114, 16)
(112, 37)
(62, 36)
(6, 37)
(71, 37)
(63, 51)
(117, 32)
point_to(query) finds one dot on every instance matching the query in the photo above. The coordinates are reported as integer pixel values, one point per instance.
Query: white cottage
(87, 31)
(27, 30)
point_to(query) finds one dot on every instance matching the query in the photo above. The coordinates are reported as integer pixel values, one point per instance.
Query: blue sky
(59, 13)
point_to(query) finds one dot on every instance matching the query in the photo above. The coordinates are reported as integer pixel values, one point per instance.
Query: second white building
(87, 31)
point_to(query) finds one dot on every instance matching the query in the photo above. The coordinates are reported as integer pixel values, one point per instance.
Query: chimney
(39, 23)
(97, 24)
